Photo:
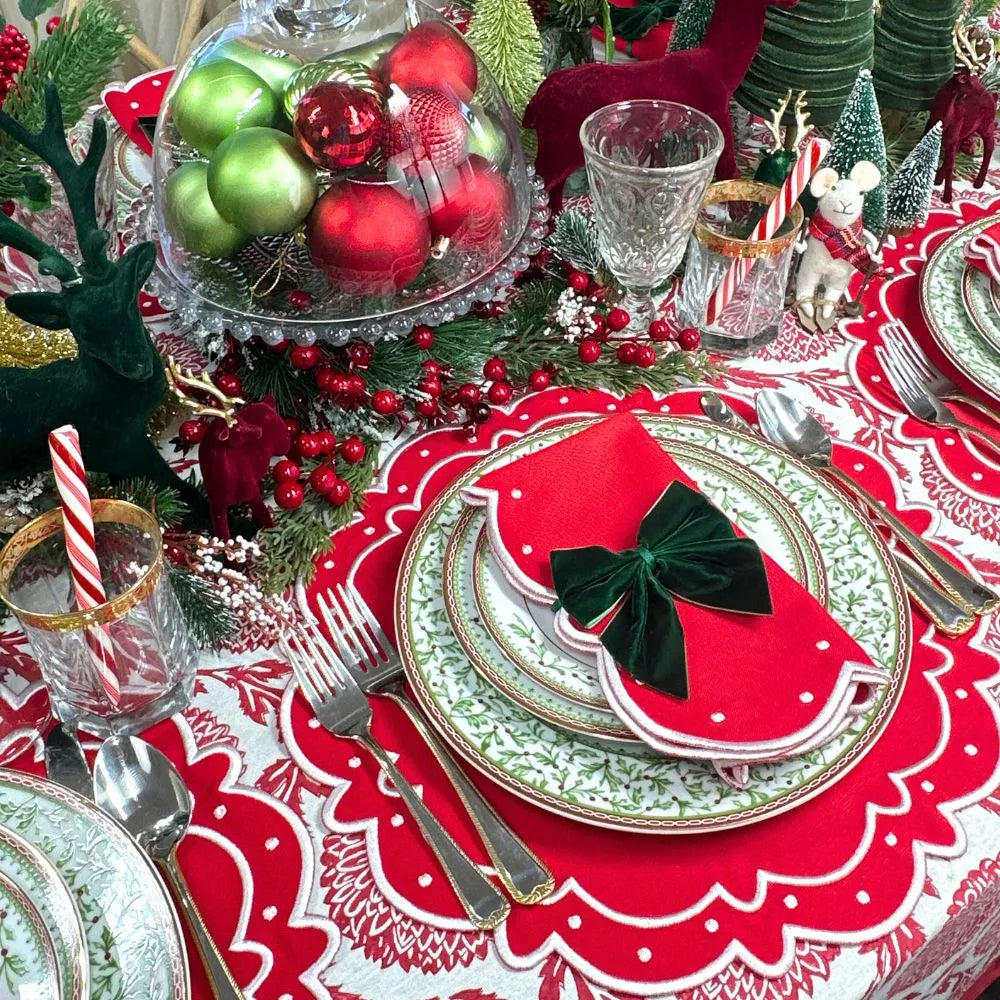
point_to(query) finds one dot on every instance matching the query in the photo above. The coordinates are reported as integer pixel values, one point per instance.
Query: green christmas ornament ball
(193, 219)
(217, 100)
(368, 53)
(261, 182)
(273, 70)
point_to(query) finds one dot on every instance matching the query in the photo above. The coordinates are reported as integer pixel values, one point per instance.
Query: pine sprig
(395, 364)
(210, 621)
(164, 501)
(77, 57)
(574, 240)
(269, 374)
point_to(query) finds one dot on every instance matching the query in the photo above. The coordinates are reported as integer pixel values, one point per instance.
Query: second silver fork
(376, 665)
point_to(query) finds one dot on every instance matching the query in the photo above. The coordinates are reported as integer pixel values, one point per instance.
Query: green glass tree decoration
(817, 46)
(505, 36)
(691, 24)
(908, 193)
(914, 54)
(858, 136)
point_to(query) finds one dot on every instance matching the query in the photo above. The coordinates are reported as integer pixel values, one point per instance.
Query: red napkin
(762, 687)
(983, 252)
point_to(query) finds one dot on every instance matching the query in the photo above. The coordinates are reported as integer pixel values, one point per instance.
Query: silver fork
(376, 665)
(342, 708)
(919, 400)
(896, 335)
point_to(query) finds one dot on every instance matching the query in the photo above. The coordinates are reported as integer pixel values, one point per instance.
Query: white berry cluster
(575, 314)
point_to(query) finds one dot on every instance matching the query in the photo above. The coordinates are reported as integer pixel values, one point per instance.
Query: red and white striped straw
(78, 526)
(788, 194)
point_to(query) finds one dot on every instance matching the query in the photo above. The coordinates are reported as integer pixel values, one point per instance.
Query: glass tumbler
(754, 315)
(155, 654)
(648, 165)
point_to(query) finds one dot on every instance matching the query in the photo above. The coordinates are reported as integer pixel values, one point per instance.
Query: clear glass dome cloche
(337, 168)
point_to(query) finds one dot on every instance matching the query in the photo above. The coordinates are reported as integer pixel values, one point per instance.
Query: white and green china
(132, 934)
(943, 305)
(512, 641)
(28, 963)
(979, 300)
(37, 878)
(628, 786)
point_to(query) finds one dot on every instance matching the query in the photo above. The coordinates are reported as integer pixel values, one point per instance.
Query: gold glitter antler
(180, 380)
(774, 125)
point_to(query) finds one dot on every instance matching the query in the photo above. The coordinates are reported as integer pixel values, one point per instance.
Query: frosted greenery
(691, 24)
(908, 194)
(505, 37)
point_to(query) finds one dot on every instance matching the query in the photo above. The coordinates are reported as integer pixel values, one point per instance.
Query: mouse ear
(866, 175)
(822, 181)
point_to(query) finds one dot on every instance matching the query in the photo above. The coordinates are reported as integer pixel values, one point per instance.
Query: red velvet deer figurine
(966, 109)
(704, 78)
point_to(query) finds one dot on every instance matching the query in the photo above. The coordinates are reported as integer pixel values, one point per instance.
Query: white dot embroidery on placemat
(971, 750)
(271, 843)
(328, 564)
(806, 697)
(354, 762)
(564, 400)
(574, 921)
(424, 452)
(313, 723)
(891, 839)
(402, 488)
(269, 913)
(525, 417)
(961, 694)
(876, 378)
(612, 407)
(516, 494)
(872, 314)
(859, 466)
(527, 549)
(134, 105)
(711, 926)
(823, 645)
(369, 531)
(927, 786)
(159, 83)
(977, 476)
(220, 812)
(949, 440)
(863, 898)
(791, 902)
(644, 954)
(396, 819)
(424, 880)
(717, 717)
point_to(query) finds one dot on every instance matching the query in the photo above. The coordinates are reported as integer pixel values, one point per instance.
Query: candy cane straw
(788, 194)
(78, 526)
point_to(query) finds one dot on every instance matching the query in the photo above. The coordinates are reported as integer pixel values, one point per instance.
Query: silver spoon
(788, 424)
(138, 786)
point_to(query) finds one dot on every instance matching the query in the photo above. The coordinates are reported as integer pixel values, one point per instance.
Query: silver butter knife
(65, 763)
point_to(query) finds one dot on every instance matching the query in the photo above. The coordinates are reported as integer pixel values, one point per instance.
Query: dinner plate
(980, 305)
(629, 786)
(943, 305)
(512, 641)
(130, 925)
(37, 879)
(28, 963)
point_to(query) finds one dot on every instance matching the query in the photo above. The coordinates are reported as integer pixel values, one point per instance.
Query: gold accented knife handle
(946, 616)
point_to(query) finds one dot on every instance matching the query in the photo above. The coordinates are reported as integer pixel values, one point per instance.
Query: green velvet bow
(687, 548)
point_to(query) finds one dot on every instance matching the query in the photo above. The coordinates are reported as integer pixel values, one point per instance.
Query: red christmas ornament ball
(645, 356)
(495, 369)
(628, 352)
(191, 431)
(308, 445)
(589, 351)
(352, 450)
(361, 354)
(500, 393)
(369, 238)
(427, 407)
(431, 55)
(578, 281)
(423, 338)
(289, 495)
(229, 384)
(539, 379)
(327, 442)
(468, 394)
(338, 126)
(427, 126)
(322, 479)
(689, 339)
(660, 330)
(473, 207)
(618, 319)
(339, 493)
(384, 402)
(286, 471)
(304, 357)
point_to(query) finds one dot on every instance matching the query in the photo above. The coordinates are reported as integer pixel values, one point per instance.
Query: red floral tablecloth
(311, 875)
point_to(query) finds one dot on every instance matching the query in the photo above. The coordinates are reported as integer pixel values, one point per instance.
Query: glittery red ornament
(325, 379)
(472, 206)
(368, 238)
(338, 126)
(286, 471)
(352, 449)
(432, 54)
(289, 495)
(425, 125)
(51, 24)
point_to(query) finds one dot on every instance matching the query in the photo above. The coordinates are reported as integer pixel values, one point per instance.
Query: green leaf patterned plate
(979, 300)
(512, 641)
(628, 786)
(28, 963)
(38, 879)
(132, 935)
(943, 305)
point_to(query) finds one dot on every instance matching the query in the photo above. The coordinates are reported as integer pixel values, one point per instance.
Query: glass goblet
(649, 164)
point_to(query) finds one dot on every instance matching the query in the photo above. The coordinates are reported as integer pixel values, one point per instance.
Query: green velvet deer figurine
(116, 382)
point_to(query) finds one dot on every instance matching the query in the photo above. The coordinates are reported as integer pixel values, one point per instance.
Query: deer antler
(178, 379)
(802, 125)
(774, 125)
(79, 180)
(965, 49)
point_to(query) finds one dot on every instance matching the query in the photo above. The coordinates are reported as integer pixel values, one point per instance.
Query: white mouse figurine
(837, 244)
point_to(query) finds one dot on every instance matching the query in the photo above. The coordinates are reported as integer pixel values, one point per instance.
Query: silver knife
(65, 763)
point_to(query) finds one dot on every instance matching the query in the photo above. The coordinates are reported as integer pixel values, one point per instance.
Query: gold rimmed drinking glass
(648, 165)
(155, 654)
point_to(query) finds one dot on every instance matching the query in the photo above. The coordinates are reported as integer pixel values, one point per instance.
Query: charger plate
(628, 786)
